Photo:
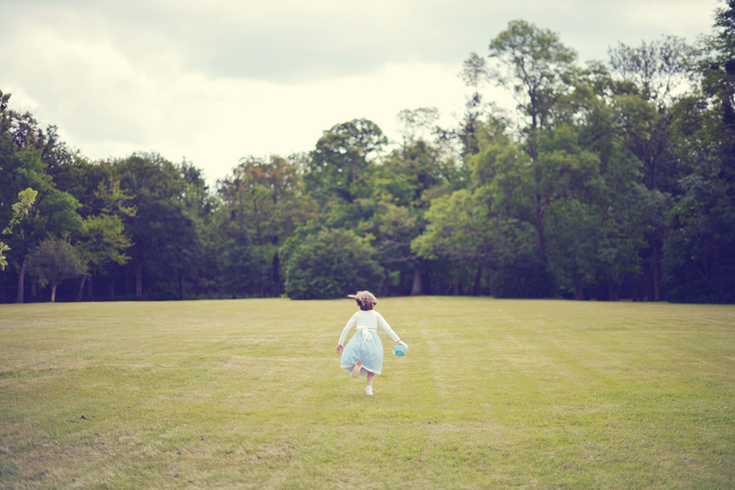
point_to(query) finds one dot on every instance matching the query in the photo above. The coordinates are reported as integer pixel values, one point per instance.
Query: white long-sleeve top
(366, 320)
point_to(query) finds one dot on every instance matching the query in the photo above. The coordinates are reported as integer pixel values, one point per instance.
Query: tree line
(608, 180)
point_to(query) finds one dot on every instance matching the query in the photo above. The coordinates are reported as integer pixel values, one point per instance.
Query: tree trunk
(417, 288)
(385, 287)
(139, 281)
(53, 292)
(578, 289)
(611, 296)
(81, 289)
(477, 282)
(181, 287)
(34, 291)
(541, 237)
(21, 282)
(89, 288)
(110, 286)
(657, 268)
(276, 275)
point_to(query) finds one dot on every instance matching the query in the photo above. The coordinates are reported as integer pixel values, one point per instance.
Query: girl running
(364, 352)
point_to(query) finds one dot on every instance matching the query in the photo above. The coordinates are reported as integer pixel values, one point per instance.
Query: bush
(330, 264)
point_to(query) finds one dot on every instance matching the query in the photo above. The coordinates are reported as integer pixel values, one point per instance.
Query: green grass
(248, 394)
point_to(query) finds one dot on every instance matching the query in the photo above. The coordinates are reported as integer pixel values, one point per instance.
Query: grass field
(248, 394)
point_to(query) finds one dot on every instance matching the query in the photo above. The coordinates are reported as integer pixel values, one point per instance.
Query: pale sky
(212, 81)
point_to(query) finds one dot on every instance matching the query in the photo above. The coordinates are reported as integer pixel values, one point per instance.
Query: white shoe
(369, 390)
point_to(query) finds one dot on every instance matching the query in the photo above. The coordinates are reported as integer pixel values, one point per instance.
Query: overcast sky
(212, 81)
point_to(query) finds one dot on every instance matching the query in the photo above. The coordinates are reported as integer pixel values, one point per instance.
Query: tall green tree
(537, 70)
(464, 228)
(596, 230)
(103, 241)
(552, 175)
(28, 153)
(648, 76)
(342, 162)
(698, 259)
(166, 243)
(55, 260)
(408, 178)
(654, 69)
(263, 202)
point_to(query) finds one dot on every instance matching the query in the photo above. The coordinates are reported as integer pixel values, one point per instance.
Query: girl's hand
(400, 342)
(338, 349)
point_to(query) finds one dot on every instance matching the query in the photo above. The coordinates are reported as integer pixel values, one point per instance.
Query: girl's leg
(356, 369)
(369, 387)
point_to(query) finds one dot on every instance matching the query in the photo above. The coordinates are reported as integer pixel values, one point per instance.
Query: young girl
(364, 351)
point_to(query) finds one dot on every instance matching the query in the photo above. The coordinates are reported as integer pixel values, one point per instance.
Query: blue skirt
(369, 350)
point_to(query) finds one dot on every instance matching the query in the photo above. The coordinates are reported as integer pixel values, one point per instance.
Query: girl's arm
(350, 323)
(387, 328)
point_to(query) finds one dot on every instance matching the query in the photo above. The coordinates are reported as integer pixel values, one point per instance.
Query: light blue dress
(365, 344)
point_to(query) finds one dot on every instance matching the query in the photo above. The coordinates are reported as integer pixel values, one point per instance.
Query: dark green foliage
(166, 243)
(244, 270)
(172, 246)
(690, 278)
(331, 264)
(698, 260)
(524, 277)
(261, 204)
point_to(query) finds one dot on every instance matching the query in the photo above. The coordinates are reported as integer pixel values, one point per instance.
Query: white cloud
(216, 80)
(241, 118)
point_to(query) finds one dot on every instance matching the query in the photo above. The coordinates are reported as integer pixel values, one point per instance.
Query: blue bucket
(399, 350)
